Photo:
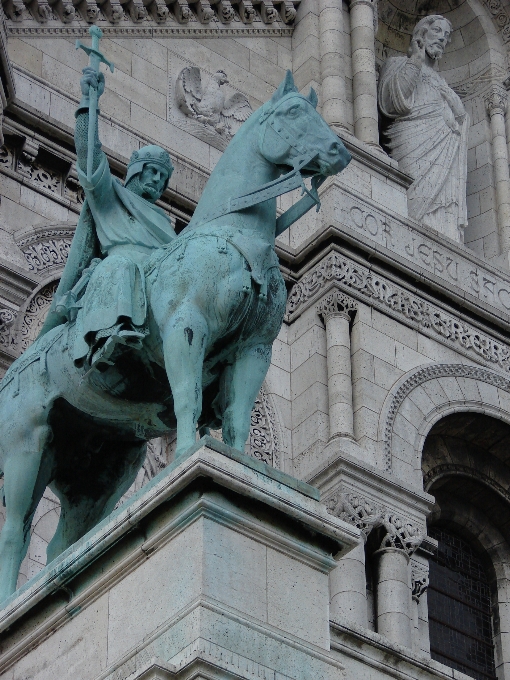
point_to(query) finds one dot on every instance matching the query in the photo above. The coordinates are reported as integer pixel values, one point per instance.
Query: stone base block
(216, 569)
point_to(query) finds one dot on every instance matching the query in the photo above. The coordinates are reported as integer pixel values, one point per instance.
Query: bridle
(288, 182)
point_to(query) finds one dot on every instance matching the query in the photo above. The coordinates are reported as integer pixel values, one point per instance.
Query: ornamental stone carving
(47, 247)
(202, 98)
(419, 580)
(429, 128)
(336, 303)
(400, 534)
(355, 510)
(394, 300)
(35, 314)
(496, 100)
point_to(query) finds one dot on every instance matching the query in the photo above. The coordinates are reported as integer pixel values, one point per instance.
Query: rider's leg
(27, 471)
(242, 386)
(80, 512)
(185, 339)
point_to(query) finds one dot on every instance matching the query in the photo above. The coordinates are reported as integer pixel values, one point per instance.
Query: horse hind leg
(184, 340)
(27, 471)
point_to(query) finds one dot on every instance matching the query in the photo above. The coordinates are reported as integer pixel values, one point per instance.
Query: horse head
(293, 134)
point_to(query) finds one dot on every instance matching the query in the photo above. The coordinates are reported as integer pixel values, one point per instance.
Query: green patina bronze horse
(216, 304)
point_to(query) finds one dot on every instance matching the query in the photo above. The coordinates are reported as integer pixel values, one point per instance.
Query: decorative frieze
(390, 298)
(7, 318)
(24, 163)
(39, 17)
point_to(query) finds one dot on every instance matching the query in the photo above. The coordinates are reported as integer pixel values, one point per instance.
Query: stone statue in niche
(429, 128)
(207, 102)
(211, 301)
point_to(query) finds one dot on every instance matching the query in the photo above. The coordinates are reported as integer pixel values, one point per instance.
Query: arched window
(459, 604)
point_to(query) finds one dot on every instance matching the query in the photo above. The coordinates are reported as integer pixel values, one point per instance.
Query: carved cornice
(149, 32)
(430, 373)
(336, 304)
(496, 100)
(397, 302)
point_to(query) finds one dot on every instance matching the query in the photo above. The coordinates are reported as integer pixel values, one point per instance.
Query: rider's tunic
(128, 228)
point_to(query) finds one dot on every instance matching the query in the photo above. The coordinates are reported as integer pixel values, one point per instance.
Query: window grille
(459, 604)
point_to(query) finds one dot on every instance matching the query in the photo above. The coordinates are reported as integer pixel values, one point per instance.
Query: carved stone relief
(25, 166)
(46, 247)
(419, 579)
(365, 515)
(419, 377)
(394, 300)
(204, 104)
(34, 315)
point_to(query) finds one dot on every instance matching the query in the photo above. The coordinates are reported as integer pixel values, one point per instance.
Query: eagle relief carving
(203, 99)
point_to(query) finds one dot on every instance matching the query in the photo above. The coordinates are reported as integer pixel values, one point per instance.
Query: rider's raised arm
(89, 79)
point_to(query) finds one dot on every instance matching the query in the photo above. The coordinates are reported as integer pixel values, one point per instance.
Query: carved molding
(394, 300)
(336, 303)
(155, 18)
(46, 248)
(7, 319)
(430, 373)
(496, 100)
(34, 315)
(419, 579)
(24, 165)
(444, 469)
(500, 16)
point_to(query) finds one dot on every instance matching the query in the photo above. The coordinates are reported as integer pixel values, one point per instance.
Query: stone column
(364, 82)
(347, 582)
(336, 310)
(394, 614)
(331, 40)
(496, 103)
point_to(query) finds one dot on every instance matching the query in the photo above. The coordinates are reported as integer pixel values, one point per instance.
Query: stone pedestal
(217, 568)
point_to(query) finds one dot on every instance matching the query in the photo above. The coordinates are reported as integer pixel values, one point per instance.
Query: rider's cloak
(117, 226)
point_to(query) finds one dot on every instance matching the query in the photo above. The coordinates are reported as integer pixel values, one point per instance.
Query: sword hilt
(96, 57)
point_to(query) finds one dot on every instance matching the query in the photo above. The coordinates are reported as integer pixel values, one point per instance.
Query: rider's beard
(144, 190)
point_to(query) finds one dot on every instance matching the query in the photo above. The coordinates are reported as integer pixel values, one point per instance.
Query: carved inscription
(430, 256)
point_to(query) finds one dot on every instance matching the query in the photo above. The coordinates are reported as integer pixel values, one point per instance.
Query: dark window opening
(459, 604)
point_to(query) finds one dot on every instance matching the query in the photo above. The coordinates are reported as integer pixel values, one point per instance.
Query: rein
(288, 182)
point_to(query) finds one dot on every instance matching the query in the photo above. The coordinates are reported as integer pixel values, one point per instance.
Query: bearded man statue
(428, 133)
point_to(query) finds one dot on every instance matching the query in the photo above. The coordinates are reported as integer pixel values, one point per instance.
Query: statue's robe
(122, 229)
(428, 141)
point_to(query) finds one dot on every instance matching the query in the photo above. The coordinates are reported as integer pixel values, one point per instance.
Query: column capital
(336, 303)
(356, 510)
(400, 535)
(496, 100)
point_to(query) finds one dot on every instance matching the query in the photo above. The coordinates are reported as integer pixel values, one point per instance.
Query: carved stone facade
(389, 384)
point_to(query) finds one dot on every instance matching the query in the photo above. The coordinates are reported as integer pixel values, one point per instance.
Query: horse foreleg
(242, 385)
(184, 341)
(27, 471)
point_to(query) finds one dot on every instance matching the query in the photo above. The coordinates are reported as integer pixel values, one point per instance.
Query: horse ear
(313, 98)
(286, 86)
